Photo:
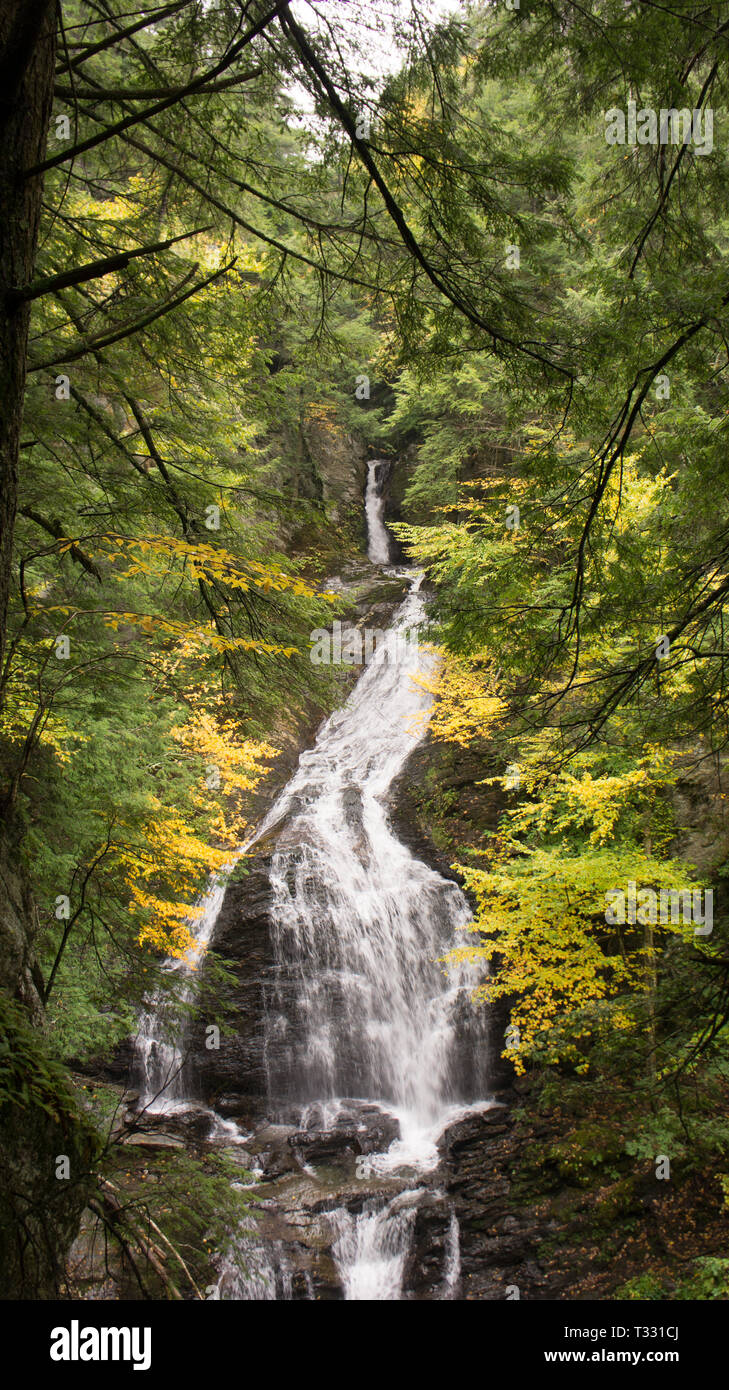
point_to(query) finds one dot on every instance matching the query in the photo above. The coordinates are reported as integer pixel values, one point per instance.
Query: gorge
(371, 1047)
(364, 859)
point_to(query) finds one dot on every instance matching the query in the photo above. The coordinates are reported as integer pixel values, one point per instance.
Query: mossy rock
(617, 1202)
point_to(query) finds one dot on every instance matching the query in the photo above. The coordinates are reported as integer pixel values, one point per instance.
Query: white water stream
(378, 539)
(363, 1008)
(159, 1043)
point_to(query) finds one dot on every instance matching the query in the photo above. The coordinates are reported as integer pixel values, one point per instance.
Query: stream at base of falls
(372, 1045)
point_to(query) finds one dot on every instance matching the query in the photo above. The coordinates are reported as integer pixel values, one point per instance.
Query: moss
(617, 1203)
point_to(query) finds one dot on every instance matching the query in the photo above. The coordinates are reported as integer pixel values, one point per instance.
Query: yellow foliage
(467, 703)
(200, 560)
(173, 861)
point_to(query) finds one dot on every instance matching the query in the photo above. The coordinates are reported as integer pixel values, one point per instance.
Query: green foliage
(709, 1279)
(30, 1078)
(197, 1201)
(643, 1288)
(187, 627)
(209, 377)
(582, 1155)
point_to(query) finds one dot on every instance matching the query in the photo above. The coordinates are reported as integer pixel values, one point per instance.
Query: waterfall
(164, 1085)
(363, 1006)
(378, 539)
(252, 1269)
(452, 1270)
(363, 1016)
(371, 1249)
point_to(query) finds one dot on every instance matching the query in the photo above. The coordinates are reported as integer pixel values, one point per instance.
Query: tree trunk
(27, 60)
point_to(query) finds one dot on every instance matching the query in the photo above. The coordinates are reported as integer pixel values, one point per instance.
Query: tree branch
(105, 340)
(118, 34)
(349, 123)
(147, 93)
(177, 94)
(54, 528)
(92, 270)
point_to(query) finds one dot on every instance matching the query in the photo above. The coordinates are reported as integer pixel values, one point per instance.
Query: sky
(374, 23)
(367, 34)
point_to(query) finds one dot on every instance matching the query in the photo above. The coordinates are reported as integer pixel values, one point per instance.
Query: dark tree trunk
(38, 1214)
(27, 59)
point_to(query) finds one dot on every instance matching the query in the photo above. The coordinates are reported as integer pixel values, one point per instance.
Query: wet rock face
(498, 1243)
(427, 1268)
(700, 816)
(231, 1078)
(437, 806)
(338, 463)
(20, 977)
(302, 1224)
(359, 1128)
(278, 1149)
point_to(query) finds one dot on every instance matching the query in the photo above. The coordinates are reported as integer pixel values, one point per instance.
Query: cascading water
(363, 1007)
(363, 1016)
(164, 1085)
(378, 539)
(452, 1269)
(252, 1270)
(371, 1249)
